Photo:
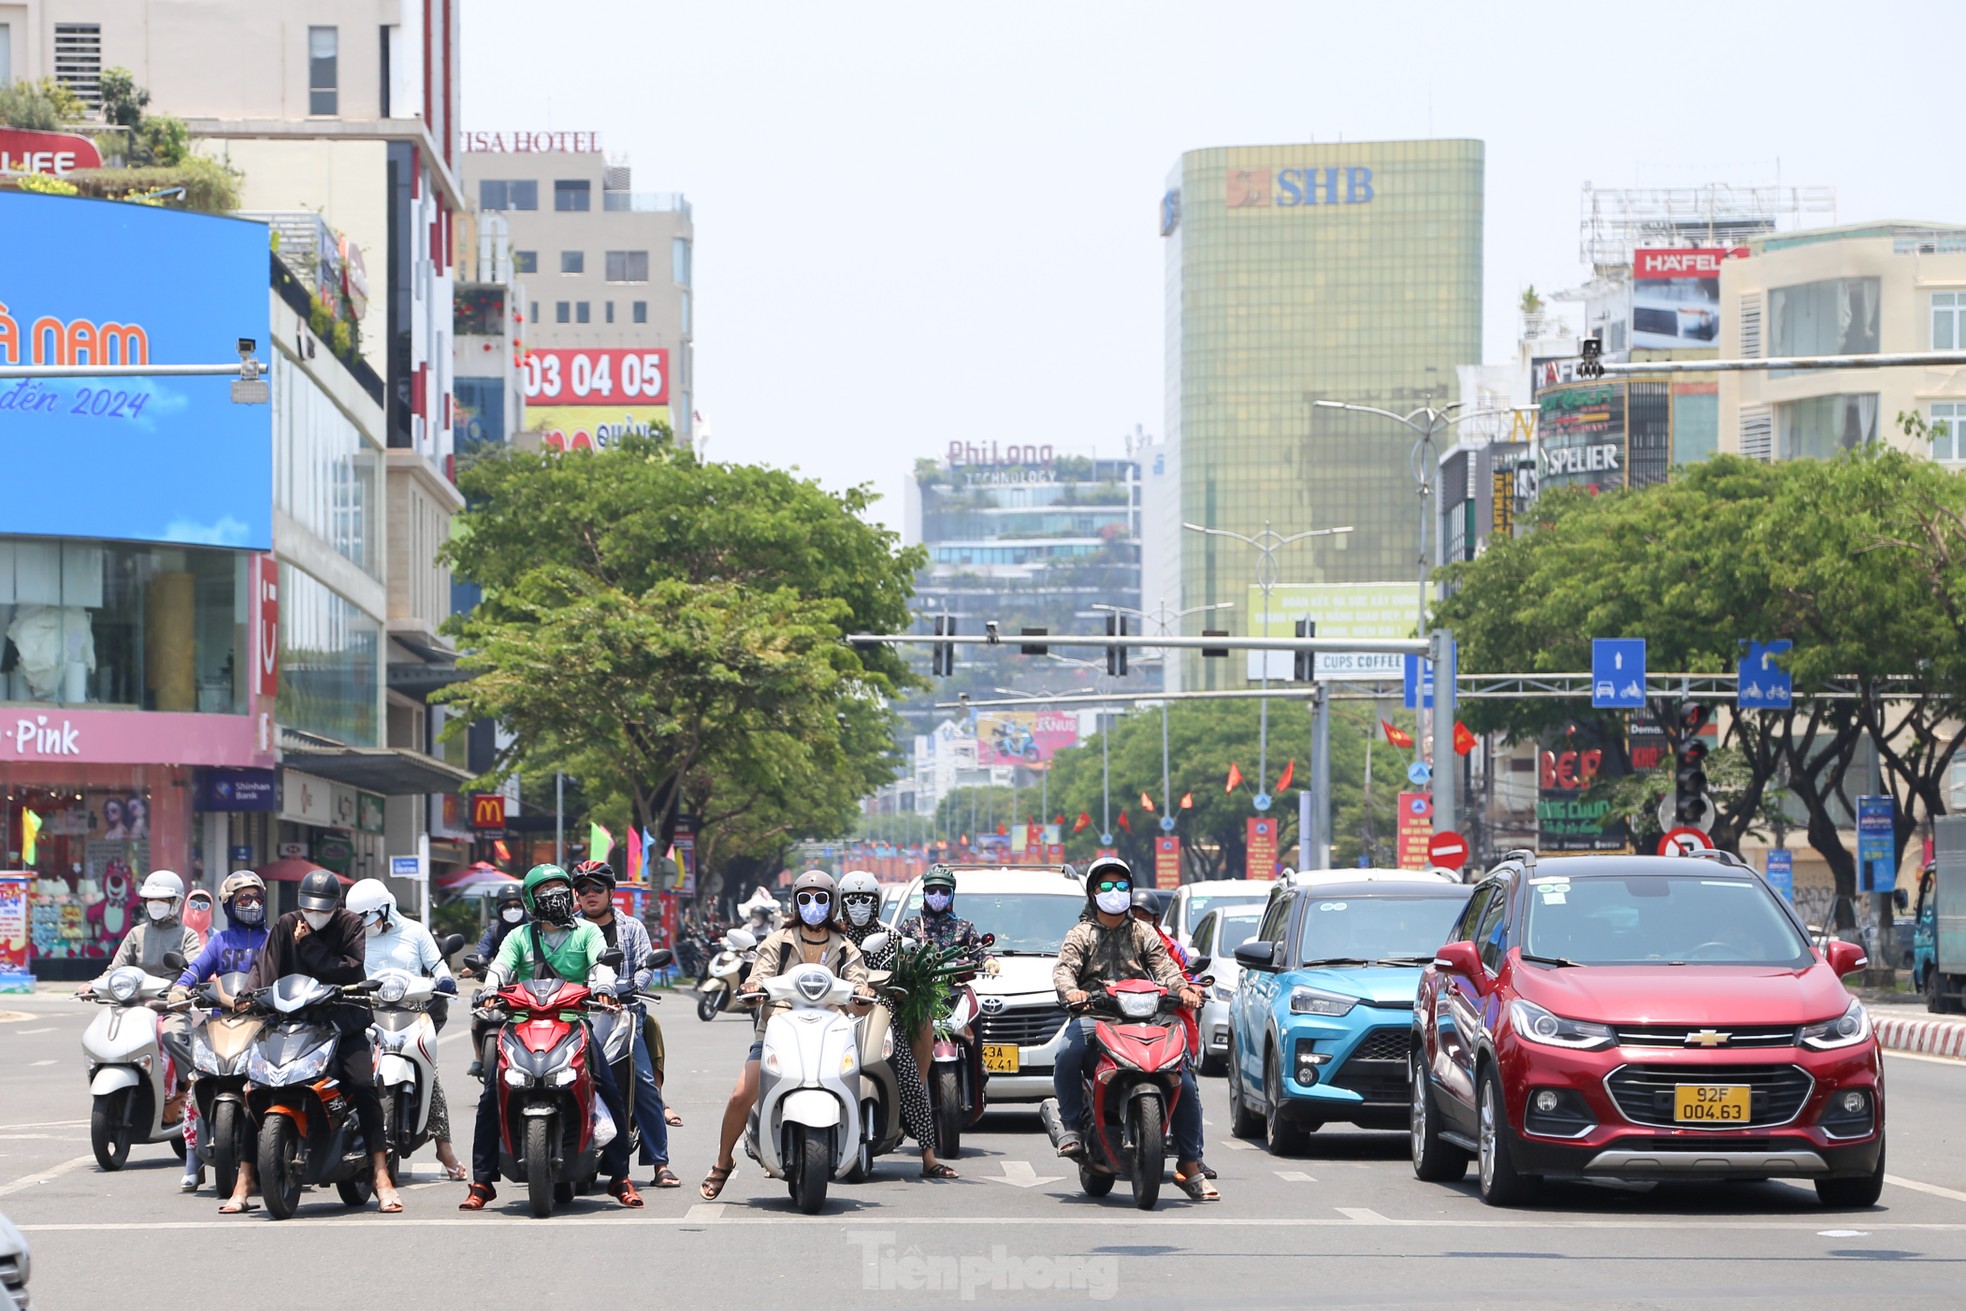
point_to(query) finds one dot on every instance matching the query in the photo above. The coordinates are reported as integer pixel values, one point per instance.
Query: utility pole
(560, 819)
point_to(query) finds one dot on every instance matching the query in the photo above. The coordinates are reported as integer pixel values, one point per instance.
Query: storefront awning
(392, 771)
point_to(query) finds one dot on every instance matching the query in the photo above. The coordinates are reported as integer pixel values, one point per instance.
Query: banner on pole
(1261, 845)
(1416, 830)
(1167, 861)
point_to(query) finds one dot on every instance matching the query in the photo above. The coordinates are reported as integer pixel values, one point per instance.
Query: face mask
(937, 901)
(373, 929)
(248, 915)
(157, 910)
(1114, 903)
(815, 913)
(512, 914)
(859, 912)
(555, 907)
(317, 919)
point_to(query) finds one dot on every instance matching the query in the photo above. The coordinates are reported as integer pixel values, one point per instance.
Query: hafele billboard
(1676, 297)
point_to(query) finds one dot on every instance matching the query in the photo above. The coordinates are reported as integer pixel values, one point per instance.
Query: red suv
(1642, 1017)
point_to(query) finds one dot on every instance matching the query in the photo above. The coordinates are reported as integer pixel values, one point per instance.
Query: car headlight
(1138, 1005)
(1315, 1001)
(1534, 1024)
(1223, 992)
(1846, 1030)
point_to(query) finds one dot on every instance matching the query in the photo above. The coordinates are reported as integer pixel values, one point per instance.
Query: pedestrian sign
(1618, 673)
(1765, 685)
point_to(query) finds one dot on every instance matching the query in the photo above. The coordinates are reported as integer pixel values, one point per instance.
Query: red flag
(504, 852)
(1083, 822)
(1235, 778)
(1124, 822)
(1397, 737)
(1464, 739)
(1146, 803)
(1187, 801)
(1289, 771)
(1003, 830)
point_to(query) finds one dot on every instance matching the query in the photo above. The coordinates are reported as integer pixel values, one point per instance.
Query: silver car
(1217, 935)
(13, 1266)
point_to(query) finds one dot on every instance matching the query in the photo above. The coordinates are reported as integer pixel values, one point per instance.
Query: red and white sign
(1684, 842)
(1449, 850)
(266, 625)
(54, 153)
(1651, 265)
(561, 376)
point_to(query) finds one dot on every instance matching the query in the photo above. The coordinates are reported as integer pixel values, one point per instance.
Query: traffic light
(942, 659)
(1116, 655)
(1689, 781)
(1303, 664)
(1034, 648)
(1215, 652)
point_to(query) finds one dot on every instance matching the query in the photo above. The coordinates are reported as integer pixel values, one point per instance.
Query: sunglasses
(248, 899)
(586, 889)
(860, 898)
(1114, 885)
(815, 898)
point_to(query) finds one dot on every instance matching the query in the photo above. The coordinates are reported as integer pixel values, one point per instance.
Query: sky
(925, 223)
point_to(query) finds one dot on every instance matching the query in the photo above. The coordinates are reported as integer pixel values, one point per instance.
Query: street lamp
(1162, 618)
(1268, 574)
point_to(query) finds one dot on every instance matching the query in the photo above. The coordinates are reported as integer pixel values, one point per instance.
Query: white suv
(1194, 900)
(1029, 908)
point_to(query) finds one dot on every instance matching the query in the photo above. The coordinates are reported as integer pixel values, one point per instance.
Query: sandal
(665, 1178)
(1208, 1171)
(623, 1191)
(673, 1120)
(475, 1200)
(1197, 1187)
(394, 1206)
(939, 1171)
(230, 1207)
(713, 1183)
(455, 1172)
(1070, 1147)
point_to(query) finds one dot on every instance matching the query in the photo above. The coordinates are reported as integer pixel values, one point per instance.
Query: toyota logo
(992, 1005)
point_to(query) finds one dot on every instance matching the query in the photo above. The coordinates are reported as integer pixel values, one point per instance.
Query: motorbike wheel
(1149, 1130)
(281, 1173)
(862, 1168)
(706, 1006)
(948, 1115)
(231, 1141)
(813, 1161)
(540, 1139)
(357, 1191)
(563, 1194)
(109, 1136)
(488, 1056)
(1096, 1183)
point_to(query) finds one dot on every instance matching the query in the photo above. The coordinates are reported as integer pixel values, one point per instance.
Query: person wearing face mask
(809, 937)
(1106, 948)
(231, 950)
(940, 926)
(860, 900)
(509, 914)
(396, 942)
(326, 943)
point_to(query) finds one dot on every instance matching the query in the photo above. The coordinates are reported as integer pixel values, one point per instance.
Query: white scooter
(129, 1071)
(805, 1128)
(405, 1043)
(726, 973)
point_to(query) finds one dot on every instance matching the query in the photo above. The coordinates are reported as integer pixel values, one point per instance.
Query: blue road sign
(1167, 823)
(1419, 773)
(1765, 685)
(1420, 678)
(1105, 839)
(1617, 673)
(1781, 872)
(1877, 844)
(1261, 801)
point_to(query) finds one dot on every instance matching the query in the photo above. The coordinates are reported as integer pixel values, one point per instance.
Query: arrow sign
(1617, 673)
(1021, 1174)
(1765, 685)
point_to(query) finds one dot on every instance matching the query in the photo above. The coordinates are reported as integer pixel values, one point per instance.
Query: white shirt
(405, 945)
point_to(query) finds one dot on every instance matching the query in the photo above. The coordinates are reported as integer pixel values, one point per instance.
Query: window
(78, 60)
(610, 312)
(686, 327)
(1489, 934)
(515, 194)
(641, 314)
(1275, 916)
(573, 261)
(1949, 444)
(1822, 426)
(628, 266)
(525, 261)
(533, 317)
(325, 476)
(1464, 927)
(573, 196)
(333, 650)
(1834, 317)
(323, 49)
(679, 261)
(1948, 312)
(6, 54)
(562, 312)
(580, 312)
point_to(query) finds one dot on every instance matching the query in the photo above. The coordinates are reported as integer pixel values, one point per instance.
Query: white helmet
(859, 880)
(238, 881)
(161, 885)
(369, 896)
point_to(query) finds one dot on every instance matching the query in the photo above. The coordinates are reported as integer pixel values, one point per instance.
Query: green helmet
(939, 877)
(537, 875)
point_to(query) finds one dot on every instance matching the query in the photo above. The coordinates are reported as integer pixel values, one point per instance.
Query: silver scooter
(129, 1089)
(805, 1128)
(405, 1042)
(726, 973)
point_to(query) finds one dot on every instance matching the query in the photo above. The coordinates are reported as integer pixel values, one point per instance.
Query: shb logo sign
(1293, 188)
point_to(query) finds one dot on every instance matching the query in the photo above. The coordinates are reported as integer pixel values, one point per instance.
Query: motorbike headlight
(203, 1058)
(515, 1077)
(258, 1068)
(393, 989)
(1534, 1024)
(1138, 1005)
(124, 983)
(1846, 1030)
(561, 1078)
(1315, 1001)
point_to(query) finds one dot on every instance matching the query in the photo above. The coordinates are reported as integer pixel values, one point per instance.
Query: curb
(1924, 1037)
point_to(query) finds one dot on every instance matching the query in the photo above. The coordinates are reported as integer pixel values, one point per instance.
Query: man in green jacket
(552, 944)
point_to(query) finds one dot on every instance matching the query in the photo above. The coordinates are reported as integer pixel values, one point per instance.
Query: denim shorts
(757, 1051)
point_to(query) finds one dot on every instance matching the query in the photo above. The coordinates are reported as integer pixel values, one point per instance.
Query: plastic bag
(604, 1129)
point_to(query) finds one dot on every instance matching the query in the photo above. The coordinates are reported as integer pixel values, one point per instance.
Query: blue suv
(1323, 1014)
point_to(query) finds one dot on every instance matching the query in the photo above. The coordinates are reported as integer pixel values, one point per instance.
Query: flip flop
(623, 1191)
(713, 1183)
(939, 1171)
(454, 1171)
(665, 1178)
(1197, 1187)
(229, 1207)
(391, 1208)
(673, 1120)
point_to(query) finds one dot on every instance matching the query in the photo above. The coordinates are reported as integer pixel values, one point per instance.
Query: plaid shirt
(632, 936)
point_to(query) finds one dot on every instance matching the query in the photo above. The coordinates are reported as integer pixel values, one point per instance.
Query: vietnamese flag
(1124, 823)
(1397, 737)
(1083, 822)
(1464, 739)
(1235, 778)
(1289, 769)
(1187, 801)
(1146, 803)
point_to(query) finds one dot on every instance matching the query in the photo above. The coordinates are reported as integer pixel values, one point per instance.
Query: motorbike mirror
(450, 943)
(476, 962)
(1205, 981)
(876, 943)
(989, 939)
(612, 957)
(661, 958)
(174, 960)
(1200, 964)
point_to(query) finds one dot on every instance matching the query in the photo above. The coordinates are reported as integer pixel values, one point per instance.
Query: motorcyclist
(807, 938)
(231, 950)
(1146, 909)
(860, 902)
(1109, 947)
(593, 884)
(324, 942)
(552, 943)
(508, 914)
(396, 942)
(939, 925)
(759, 910)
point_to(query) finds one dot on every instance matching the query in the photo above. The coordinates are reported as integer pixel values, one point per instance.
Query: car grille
(1032, 1028)
(1644, 1094)
(1378, 1082)
(1383, 1045)
(1676, 1035)
(10, 1279)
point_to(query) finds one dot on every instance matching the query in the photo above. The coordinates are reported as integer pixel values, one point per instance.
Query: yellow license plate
(1000, 1057)
(1711, 1103)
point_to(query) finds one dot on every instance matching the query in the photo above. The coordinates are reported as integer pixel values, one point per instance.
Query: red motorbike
(1136, 1053)
(546, 1087)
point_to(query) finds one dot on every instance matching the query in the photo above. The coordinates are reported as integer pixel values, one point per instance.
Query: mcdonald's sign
(487, 810)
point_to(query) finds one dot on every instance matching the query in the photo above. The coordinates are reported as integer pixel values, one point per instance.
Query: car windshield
(1198, 906)
(1031, 923)
(1368, 929)
(1659, 919)
(1237, 927)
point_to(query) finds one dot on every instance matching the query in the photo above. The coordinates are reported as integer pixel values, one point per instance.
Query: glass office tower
(1297, 273)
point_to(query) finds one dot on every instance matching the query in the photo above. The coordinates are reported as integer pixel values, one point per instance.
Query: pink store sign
(126, 737)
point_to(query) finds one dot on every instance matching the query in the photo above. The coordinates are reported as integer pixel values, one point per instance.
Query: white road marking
(53, 1172)
(42, 1124)
(39, 1063)
(1238, 1145)
(705, 1213)
(1020, 1174)
(1363, 1215)
(1954, 1061)
(1918, 1187)
(29, 1033)
(1295, 1177)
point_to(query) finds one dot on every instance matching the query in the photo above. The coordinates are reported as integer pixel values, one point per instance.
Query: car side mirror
(1200, 964)
(1460, 958)
(1257, 955)
(1901, 899)
(661, 958)
(1845, 957)
(450, 943)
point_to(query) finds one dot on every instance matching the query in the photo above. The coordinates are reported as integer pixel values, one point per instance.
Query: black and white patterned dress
(916, 1116)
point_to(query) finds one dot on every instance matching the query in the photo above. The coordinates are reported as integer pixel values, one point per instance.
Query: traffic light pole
(1445, 757)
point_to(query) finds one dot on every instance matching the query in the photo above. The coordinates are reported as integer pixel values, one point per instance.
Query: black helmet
(320, 890)
(509, 895)
(1144, 899)
(594, 871)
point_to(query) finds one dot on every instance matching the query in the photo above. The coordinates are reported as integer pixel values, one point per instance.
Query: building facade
(1294, 274)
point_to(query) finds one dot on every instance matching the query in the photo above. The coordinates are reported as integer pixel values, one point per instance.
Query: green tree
(669, 632)
(155, 139)
(43, 106)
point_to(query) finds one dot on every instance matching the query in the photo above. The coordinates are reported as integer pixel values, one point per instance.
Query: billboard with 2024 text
(150, 459)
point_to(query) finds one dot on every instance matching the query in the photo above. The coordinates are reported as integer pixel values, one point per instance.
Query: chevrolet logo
(1707, 1038)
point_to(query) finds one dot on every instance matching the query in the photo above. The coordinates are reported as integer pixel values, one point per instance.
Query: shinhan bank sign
(1290, 188)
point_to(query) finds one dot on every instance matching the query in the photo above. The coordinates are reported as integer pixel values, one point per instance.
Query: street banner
(14, 974)
(1416, 830)
(1877, 844)
(1781, 872)
(1261, 845)
(1167, 861)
